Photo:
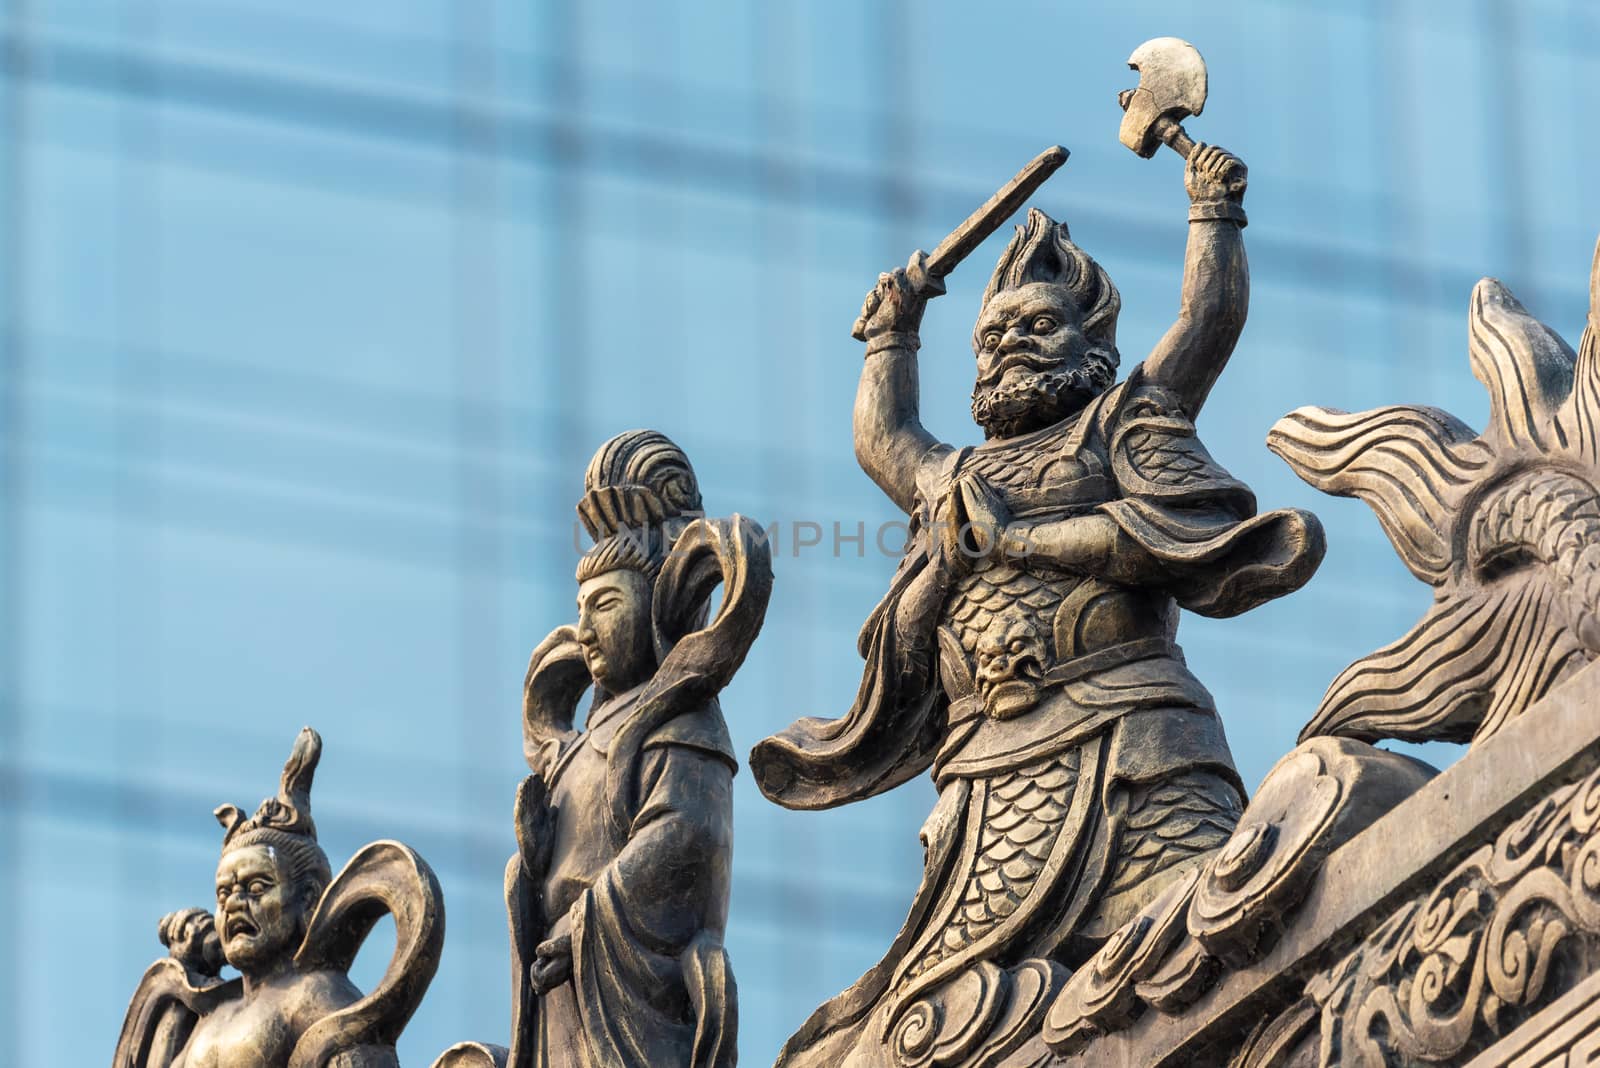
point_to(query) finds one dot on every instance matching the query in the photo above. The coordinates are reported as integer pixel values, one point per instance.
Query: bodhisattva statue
(292, 931)
(618, 896)
(1025, 648)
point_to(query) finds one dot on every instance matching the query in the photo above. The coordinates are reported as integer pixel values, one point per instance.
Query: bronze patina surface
(1026, 653)
(1097, 888)
(292, 930)
(618, 895)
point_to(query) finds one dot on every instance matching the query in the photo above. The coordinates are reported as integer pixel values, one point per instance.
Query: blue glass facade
(312, 313)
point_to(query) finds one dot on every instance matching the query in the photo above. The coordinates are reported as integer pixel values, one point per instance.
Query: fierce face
(1010, 667)
(614, 629)
(260, 910)
(1035, 364)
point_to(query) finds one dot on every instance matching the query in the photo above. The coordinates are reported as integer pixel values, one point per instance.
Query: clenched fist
(896, 303)
(1214, 174)
(190, 936)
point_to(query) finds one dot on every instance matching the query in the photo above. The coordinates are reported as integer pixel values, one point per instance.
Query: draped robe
(645, 908)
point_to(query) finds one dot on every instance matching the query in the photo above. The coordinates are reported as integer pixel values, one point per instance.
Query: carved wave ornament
(1504, 525)
(1227, 912)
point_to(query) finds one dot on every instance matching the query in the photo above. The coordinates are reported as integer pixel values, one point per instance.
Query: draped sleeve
(1199, 523)
(161, 1017)
(893, 728)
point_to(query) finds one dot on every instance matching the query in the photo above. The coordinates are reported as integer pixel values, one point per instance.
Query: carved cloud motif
(1226, 912)
(1496, 938)
(1504, 525)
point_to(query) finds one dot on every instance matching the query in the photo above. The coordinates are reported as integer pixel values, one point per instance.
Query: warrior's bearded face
(1036, 366)
(261, 908)
(614, 629)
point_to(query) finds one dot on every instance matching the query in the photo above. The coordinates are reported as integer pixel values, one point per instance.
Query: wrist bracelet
(1209, 210)
(910, 342)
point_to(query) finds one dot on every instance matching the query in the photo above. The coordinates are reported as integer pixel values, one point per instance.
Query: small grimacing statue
(618, 894)
(1025, 649)
(291, 930)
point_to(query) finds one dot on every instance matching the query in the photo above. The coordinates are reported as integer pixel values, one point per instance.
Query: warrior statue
(1024, 651)
(618, 895)
(291, 930)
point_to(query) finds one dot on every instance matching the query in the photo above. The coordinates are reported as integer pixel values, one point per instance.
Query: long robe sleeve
(1193, 519)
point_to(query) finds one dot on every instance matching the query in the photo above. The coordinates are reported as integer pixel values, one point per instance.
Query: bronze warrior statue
(1025, 649)
(291, 930)
(618, 895)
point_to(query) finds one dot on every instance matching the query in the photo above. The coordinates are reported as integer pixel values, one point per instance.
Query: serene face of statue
(614, 629)
(260, 910)
(1034, 364)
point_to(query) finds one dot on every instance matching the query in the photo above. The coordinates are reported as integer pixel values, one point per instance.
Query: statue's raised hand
(534, 824)
(1213, 175)
(190, 936)
(896, 303)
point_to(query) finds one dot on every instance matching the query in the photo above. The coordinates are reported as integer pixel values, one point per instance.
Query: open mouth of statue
(1011, 698)
(240, 927)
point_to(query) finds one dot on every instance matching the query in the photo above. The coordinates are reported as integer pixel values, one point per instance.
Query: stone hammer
(1172, 86)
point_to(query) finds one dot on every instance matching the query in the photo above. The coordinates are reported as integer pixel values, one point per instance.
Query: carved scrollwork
(976, 1019)
(1225, 912)
(1102, 995)
(1505, 932)
(1272, 855)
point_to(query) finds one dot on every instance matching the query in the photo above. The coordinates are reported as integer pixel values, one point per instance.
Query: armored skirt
(1045, 839)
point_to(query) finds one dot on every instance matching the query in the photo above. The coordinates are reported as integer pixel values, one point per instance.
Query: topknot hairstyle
(283, 823)
(640, 492)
